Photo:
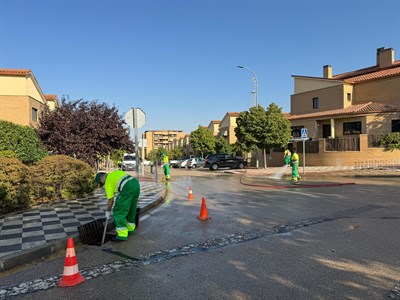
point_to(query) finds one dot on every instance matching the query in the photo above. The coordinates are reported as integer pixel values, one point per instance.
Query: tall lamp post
(255, 81)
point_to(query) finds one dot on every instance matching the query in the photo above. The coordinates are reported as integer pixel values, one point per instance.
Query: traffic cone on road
(190, 195)
(71, 275)
(203, 211)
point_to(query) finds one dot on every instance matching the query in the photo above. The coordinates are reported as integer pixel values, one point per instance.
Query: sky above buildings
(177, 60)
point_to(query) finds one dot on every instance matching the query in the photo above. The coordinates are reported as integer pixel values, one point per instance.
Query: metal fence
(343, 144)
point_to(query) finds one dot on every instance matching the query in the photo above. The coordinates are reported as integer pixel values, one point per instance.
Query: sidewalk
(42, 230)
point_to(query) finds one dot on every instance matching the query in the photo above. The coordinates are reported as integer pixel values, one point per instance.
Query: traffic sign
(135, 117)
(304, 133)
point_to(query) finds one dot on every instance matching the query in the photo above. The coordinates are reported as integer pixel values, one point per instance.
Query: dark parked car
(216, 161)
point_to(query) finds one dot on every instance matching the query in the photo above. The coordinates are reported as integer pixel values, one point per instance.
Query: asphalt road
(260, 243)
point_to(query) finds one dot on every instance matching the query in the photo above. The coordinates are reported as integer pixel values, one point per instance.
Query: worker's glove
(108, 213)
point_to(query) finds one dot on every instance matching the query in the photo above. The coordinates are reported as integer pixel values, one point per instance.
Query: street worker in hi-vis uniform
(124, 212)
(287, 157)
(295, 166)
(166, 166)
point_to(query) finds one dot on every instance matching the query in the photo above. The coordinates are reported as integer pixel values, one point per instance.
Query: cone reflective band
(71, 275)
(190, 195)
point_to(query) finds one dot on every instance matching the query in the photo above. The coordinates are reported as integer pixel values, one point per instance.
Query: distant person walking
(287, 157)
(124, 212)
(295, 166)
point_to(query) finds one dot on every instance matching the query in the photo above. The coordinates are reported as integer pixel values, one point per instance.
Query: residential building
(161, 138)
(227, 127)
(365, 101)
(21, 98)
(345, 114)
(214, 127)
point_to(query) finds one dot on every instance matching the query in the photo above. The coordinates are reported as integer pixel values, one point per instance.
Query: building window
(351, 128)
(315, 103)
(34, 114)
(395, 125)
(348, 96)
(296, 131)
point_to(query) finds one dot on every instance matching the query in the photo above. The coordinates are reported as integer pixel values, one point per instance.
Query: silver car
(195, 162)
(183, 163)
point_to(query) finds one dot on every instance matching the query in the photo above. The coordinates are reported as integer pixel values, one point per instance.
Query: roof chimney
(327, 71)
(384, 57)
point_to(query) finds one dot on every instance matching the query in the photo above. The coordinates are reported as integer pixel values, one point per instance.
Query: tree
(156, 154)
(84, 130)
(20, 142)
(250, 129)
(277, 130)
(176, 153)
(222, 146)
(202, 141)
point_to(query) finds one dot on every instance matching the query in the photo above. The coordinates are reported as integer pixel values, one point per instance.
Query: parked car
(219, 160)
(183, 163)
(195, 162)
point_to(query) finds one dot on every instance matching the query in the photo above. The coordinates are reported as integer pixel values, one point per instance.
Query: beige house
(214, 127)
(345, 114)
(21, 98)
(227, 127)
(365, 101)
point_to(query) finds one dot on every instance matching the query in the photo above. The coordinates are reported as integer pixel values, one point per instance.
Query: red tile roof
(370, 73)
(51, 97)
(215, 121)
(233, 114)
(15, 72)
(363, 108)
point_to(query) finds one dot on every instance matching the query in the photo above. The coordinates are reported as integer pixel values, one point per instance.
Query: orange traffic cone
(203, 211)
(190, 195)
(71, 275)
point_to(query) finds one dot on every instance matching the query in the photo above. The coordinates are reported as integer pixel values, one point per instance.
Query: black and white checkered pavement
(46, 223)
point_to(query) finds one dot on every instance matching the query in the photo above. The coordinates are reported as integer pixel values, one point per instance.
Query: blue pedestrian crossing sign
(304, 133)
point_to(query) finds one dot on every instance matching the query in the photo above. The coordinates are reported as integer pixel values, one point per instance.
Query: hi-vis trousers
(125, 208)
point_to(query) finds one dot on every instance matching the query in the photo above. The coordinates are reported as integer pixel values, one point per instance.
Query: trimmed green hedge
(61, 177)
(21, 142)
(14, 185)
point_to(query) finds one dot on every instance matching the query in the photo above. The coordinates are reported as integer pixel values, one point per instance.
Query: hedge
(14, 185)
(60, 177)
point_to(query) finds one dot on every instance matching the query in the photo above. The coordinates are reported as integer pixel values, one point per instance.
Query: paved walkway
(48, 223)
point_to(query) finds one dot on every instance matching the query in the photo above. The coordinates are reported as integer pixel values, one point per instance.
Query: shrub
(22, 141)
(60, 177)
(391, 141)
(14, 185)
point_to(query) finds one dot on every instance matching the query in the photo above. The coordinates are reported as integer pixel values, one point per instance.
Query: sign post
(135, 118)
(304, 136)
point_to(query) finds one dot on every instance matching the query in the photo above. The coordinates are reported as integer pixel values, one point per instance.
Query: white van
(128, 162)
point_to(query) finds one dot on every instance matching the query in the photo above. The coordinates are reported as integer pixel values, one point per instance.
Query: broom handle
(104, 233)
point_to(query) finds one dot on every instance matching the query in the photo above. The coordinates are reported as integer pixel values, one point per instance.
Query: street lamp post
(255, 81)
